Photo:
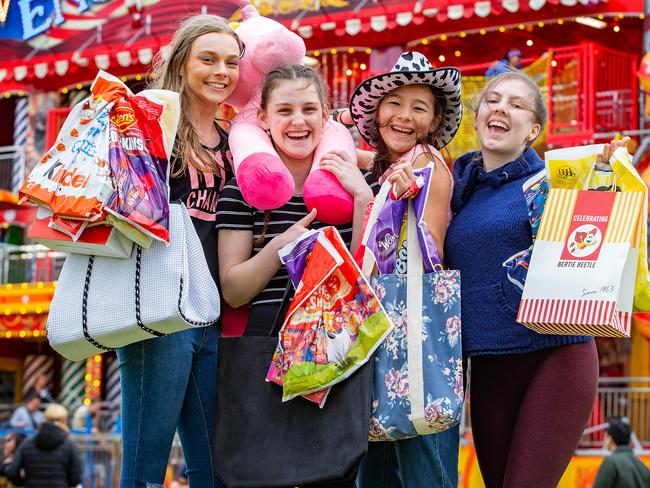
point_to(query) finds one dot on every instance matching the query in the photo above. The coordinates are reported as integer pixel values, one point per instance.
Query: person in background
(88, 418)
(511, 61)
(42, 389)
(168, 383)
(48, 459)
(28, 416)
(12, 442)
(180, 478)
(622, 468)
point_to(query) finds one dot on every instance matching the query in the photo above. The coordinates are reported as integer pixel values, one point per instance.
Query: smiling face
(211, 70)
(505, 121)
(405, 117)
(295, 115)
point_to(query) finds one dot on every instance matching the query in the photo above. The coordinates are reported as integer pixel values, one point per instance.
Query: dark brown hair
(292, 72)
(381, 161)
(167, 70)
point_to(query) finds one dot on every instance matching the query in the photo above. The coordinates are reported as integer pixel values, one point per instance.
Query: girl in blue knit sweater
(531, 394)
(407, 115)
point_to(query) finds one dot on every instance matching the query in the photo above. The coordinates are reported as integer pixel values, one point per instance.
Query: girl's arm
(340, 164)
(242, 275)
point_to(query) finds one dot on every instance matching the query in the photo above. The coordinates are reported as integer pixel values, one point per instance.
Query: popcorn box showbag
(583, 267)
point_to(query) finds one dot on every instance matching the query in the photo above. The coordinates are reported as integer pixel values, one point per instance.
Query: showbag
(139, 165)
(73, 178)
(335, 321)
(583, 268)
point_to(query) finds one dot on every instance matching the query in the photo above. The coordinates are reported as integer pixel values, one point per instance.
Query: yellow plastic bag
(628, 179)
(572, 168)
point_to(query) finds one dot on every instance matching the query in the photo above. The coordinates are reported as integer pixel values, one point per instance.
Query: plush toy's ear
(262, 119)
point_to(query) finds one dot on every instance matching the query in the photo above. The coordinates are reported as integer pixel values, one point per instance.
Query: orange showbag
(73, 178)
(335, 321)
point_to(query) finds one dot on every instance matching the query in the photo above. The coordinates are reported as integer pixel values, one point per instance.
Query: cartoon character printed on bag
(264, 180)
(584, 240)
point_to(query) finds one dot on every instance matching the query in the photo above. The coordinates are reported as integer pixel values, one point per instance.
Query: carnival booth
(583, 54)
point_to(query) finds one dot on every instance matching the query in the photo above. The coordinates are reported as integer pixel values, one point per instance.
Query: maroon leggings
(528, 412)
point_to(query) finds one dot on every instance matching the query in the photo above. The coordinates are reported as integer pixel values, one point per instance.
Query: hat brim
(366, 97)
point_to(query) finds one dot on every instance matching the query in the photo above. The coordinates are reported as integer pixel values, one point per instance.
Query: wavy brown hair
(167, 70)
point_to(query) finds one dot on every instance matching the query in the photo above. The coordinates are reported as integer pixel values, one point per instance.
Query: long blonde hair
(167, 70)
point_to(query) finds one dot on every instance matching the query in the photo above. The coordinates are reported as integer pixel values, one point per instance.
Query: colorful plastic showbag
(628, 179)
(112, 155)
(335, 321)
(535, 191)
(73, 178)
(574, 168)
(139, 165)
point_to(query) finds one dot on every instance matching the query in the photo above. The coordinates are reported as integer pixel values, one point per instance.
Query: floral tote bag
(418, 376)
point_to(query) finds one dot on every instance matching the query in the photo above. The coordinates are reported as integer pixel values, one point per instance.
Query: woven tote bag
(103, 303)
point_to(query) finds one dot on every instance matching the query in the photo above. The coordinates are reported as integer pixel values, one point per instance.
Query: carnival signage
(25, 19)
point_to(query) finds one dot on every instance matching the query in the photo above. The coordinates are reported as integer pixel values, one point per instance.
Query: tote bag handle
(414, 291)
(282, 311)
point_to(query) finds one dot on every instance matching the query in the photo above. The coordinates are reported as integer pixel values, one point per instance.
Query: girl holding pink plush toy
(262, 177)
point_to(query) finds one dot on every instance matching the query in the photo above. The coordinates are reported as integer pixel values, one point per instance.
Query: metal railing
(627, 397)
(29, 263)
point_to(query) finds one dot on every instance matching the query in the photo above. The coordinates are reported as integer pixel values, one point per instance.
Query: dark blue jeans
(168, 383)
(428, 461)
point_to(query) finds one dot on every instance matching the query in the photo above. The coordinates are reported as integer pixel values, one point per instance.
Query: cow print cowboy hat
(412, 68)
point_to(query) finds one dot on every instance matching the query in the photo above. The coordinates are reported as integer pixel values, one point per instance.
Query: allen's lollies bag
(140, 167)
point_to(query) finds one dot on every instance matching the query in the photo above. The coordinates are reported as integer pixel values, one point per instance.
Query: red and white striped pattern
(574, 317)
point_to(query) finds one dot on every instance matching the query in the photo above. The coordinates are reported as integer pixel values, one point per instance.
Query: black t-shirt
(199, 192)
(235, 214)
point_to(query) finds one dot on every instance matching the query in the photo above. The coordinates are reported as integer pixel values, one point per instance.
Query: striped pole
(34, 366)
(21, 131)
(112, 392)
(72, 384)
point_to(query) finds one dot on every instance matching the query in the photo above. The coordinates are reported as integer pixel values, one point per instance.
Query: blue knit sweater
(491, 224)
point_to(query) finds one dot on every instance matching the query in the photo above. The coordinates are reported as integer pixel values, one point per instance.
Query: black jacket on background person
(47, 460)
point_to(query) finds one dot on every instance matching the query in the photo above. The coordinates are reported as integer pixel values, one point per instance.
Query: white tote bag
(103, 303)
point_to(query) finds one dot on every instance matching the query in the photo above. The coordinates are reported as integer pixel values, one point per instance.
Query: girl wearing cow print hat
(407, 115)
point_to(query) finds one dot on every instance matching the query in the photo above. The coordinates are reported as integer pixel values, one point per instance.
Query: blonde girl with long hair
(168, 383)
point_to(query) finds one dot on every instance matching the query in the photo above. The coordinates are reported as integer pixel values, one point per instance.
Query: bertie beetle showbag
(583, 269)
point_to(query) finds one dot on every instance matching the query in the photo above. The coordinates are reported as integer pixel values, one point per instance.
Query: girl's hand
(295, 231)
(343, 116)
(608, 150)
(340, 164)
(402, 177)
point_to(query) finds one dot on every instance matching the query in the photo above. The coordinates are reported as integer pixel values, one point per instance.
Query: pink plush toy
(263, 179)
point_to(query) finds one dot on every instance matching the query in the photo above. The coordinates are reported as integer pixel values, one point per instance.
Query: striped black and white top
(234, 213)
